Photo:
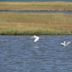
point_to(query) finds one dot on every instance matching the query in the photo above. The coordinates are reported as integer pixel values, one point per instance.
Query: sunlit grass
(35, 24)
(35, 5)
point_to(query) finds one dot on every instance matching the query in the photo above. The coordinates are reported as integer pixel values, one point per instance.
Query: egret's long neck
(64, 42)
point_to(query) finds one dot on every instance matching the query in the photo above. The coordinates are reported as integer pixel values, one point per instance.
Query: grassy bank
(36, 6)
(35, 24)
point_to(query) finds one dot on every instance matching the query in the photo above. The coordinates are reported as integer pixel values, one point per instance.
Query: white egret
(65, 43)
(36, 38)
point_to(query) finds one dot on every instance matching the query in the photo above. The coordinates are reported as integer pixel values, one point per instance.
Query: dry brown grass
(35, 24)
(36, 6)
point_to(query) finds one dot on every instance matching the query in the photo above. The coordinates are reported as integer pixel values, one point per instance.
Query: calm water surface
(21, 54)
(35, 12)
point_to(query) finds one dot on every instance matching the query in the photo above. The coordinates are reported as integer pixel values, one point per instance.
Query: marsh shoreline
(50, 6)
(41, 24)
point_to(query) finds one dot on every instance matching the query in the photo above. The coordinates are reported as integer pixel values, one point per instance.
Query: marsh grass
(27, 24)
(36, 6)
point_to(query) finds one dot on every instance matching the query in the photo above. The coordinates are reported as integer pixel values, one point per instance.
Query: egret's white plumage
(65, 43)
(36, 38)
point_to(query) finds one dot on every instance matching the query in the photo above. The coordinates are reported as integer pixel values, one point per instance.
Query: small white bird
(36, 38)
(65, 43)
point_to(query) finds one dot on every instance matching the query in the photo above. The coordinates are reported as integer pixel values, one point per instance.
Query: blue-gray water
(35, 0)
(35, 12)
(21, 54)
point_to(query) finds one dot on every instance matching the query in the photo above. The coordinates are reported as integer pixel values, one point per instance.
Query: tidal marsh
(60, 6)
(11, 23)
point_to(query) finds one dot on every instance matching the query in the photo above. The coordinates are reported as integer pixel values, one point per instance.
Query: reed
(36, 6)
(27, 24)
